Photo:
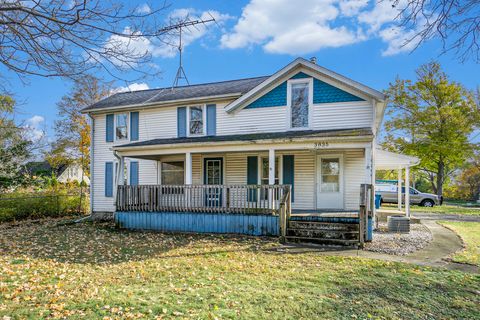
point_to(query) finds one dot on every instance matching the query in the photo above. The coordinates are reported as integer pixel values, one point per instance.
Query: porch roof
(386, 160)
(289, 135)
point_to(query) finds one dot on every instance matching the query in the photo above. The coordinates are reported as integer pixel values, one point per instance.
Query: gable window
(196, 120)
(299, 104)
(121, 128)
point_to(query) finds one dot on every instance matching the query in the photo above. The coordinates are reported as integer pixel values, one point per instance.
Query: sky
(356, 38)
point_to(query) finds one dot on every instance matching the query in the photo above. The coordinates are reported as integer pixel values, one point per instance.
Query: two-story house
(229, 147)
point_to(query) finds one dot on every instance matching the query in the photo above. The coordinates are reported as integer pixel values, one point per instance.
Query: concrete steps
(328, 233)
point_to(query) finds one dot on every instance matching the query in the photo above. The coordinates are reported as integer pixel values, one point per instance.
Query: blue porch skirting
(255, 225)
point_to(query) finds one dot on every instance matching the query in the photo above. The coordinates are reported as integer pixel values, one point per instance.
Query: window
(196, 121)
(121, 130)
(265, 170)
(299, 105)
(173, 173)
(330, 175)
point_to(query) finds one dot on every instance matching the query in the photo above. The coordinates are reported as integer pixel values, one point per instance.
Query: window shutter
(133, 126)
(108, 179)
(134, 173)
(289, 171)
(109, 128)
(211, 119)
(182, 122)
(252, 176)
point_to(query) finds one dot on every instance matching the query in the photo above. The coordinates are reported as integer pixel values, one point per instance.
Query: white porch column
(399, 189)
(188, 168)
(407, 191)
(121, 170)
(368, 166)
(271, 166)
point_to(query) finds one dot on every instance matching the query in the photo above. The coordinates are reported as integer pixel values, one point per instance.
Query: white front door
(330, 182)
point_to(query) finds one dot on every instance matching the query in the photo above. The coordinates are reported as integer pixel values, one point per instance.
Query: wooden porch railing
(241, 199)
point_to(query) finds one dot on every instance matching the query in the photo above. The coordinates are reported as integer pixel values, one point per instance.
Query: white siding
(342, 116)
(355, 171)
(157, 123)
(256, 120)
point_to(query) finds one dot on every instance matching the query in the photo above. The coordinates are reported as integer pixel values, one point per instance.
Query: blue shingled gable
(322, 93)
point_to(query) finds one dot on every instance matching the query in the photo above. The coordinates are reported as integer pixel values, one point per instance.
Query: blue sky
(356, 38)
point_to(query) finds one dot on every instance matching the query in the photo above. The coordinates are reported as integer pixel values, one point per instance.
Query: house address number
(320, 145)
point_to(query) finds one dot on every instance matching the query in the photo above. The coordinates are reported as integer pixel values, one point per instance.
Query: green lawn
(470, 234)
(97, 272)
(443, 209)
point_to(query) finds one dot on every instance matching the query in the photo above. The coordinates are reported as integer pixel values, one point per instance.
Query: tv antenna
(179, 26)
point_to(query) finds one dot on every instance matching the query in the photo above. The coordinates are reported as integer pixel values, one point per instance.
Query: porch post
(368, 166)
(188, 168)
(407, 191)
(271, 176)
(121, 170)
(399, 189)
(271, 166)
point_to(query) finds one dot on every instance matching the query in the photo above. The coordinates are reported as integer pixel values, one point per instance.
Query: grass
(97, 272)
(470, 234)
(443, 209)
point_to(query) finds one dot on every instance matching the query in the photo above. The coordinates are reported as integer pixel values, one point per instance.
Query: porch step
(323, 241)
(332, 226)
(323, 232)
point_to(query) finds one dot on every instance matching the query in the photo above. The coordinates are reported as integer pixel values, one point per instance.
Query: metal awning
(386, 160)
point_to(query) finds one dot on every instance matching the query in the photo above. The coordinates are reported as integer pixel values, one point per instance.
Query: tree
(72, 130)
(432, 118)
(468, 181)
(14, 147)
(69, 38)
(456, 23)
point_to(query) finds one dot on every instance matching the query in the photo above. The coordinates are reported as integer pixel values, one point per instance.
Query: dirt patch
(398, 243)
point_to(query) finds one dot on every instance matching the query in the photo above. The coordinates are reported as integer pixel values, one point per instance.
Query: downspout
(117, 177)
(92, 159)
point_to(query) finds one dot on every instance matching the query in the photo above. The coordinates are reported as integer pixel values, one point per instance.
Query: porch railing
(241, 199)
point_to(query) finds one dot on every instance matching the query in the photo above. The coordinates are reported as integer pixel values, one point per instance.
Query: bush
(55, 203)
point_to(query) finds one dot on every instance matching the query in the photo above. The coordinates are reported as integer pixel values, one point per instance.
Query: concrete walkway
(448, 217)
(445, 242)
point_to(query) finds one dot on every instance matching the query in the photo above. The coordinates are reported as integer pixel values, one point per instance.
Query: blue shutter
(182, 122)
(289, 171)
(252, 176)
(134, 173)
(108, 179)
(133, 126)
(211, 119)
(109, 128)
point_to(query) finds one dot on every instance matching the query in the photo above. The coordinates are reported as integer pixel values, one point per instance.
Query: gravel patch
(397, 243)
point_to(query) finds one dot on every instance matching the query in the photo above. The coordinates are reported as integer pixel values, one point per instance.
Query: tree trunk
(440, 176)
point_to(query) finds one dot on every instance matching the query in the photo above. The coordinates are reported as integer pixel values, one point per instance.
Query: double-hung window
(299, 104)
(196, 121)
(173, 173)
(121, 126)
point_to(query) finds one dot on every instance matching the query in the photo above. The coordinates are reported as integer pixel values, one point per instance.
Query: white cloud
(351, 8)
(132, 87)
(398, 40)
(144, 9)
(33, 128)
(286, 27)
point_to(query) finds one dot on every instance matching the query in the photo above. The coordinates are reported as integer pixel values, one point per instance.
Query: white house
(304, 127)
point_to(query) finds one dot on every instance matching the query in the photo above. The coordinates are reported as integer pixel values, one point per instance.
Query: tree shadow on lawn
(103, 243)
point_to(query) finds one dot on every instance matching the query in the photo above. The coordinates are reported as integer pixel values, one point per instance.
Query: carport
(386, 160)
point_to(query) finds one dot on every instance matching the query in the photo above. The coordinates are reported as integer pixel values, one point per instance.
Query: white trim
(204, 120)
(297, 63)
(308, 81)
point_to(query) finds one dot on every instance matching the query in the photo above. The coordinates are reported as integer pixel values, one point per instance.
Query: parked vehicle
(389, 194)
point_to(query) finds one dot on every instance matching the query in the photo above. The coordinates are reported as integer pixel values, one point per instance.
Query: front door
(330, 182)
(213, 175)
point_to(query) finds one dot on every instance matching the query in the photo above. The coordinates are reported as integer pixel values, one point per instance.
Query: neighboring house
(65, 173)
(72, 172)
(211, 147)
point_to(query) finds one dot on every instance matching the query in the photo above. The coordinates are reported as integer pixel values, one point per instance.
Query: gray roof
(177, 93)
(256, 136)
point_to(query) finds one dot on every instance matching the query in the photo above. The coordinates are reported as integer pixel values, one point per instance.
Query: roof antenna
(179, 26)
